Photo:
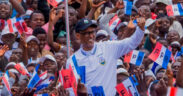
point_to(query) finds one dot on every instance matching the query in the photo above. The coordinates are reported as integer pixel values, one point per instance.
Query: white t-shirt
(100, 62)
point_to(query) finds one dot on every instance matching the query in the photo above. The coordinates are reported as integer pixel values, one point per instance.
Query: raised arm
(18, 7)
(82, 9)
(124, 46)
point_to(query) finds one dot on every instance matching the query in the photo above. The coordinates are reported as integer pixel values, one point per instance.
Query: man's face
(33, 48)
(160, 74)
(50, 66)
(172, 36)
(37, 20)
(175, 68)
(5, 11)
(17, 55)
(87, 37)
(145, 12)
(42, 39)
(8, 39)
(30, 69)
(34, 4)
(61, 60)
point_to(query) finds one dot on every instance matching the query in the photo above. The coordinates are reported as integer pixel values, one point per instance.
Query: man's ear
(78, 36)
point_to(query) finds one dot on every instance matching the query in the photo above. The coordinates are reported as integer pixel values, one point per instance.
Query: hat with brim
(83, 24)
(101, 33)
(30, 38)
(48, 57)
(122, 71)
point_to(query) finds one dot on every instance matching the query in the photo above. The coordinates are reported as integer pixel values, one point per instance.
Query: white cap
(175, 43)
(102, 32)
(10, 64)
(166, 2)
(49, 57)
(149, 73)
(123, 71)
(149, 22)
(32, 38)
(13, 71)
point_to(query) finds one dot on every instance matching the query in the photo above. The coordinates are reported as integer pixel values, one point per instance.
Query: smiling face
(33, 48)
(5, 11)
(87, 38)
(42, 39)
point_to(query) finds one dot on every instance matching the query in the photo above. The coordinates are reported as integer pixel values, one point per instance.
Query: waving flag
(10, 25)
(175, 10)
(114, 22)
(44, 84)
(128, 7)
(134, 57)
(22, 69)
(34, 79)
(54, 3)
(127, 88)
(20, 25)
(160, 55)
(5, 80)
(61, 78)
(43, 75)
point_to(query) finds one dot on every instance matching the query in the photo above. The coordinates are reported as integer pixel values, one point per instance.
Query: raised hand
(141, 87)
(119, 4)
(3, 49)
(97, 3)
(28, 92)
(131, 25)
(62, 91)
(141, 23)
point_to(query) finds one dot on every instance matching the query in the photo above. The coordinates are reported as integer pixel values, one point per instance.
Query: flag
(54, 3)
(73, 80)
(98, 91)
(174, 91)
(22, 69)
(128, 7)
(10, 25)
(114, 22)
(2, 24)
(44, 84)
(34, 79)
(153, 16)
(20, 25)
(127, 88)
(45, 94)
(61, 78)
(175, 10)
(161, 55)
(43, 75)
(155, 68)
(5, 80)
(134, 57)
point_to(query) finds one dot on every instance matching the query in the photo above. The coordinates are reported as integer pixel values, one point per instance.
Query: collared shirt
(100, 62)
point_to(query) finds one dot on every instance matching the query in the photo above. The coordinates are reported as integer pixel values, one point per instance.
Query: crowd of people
(34, 48)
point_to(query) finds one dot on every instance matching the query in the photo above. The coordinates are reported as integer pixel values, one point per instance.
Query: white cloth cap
(102, 32)
(32, 38)
(48, 57)
(149, 22)
(10, 64)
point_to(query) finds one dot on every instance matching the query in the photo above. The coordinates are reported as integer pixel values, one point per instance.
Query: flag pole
(67, 28)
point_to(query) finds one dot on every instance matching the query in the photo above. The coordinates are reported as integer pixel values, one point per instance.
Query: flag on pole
(22, 69)
(61, 78)
(44, 75)
(175, 10)
(10, 25)
(114, 22)
(5, 80)
(127, 88)
(161, 55)
(44, 84)
(134, 57)
(34, 79)
(54, 3)
(128, 7)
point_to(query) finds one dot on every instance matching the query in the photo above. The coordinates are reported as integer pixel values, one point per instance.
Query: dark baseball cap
(84, 23)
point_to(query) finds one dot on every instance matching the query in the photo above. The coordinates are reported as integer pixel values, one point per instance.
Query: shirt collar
(89, 53)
